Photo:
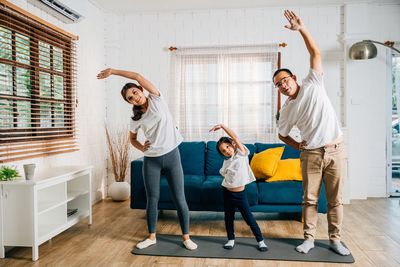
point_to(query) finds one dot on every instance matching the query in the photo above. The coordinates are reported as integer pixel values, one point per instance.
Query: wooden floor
(371, 229)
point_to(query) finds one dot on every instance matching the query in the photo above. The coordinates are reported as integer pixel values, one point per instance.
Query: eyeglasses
(283, 80)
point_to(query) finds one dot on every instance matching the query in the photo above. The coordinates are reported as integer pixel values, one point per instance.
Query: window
(37, 88)
(231, 85)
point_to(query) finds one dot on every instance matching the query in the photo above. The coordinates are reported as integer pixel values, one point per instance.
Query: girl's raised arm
(231, 134)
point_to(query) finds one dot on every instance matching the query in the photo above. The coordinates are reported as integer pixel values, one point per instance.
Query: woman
(152, 116)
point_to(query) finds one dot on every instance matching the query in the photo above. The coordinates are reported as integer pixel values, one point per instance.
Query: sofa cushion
(288, 192)
(193, 157)
(288, 170)
(212, 191)
(214, 160)
(192, 184)
(252, 193)
(288, 153)
(265, 163)
(252, 149)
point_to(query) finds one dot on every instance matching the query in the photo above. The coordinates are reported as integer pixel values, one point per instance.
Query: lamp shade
(363, 50)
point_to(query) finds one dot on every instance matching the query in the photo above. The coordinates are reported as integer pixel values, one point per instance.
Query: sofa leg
(296, 216)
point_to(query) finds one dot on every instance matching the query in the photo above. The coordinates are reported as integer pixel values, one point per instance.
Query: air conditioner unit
(58, 9)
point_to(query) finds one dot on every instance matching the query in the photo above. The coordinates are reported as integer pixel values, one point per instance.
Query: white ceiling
(130, 6)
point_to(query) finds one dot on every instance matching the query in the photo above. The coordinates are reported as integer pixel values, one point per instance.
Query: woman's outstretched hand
(295, 22)
(104, 73)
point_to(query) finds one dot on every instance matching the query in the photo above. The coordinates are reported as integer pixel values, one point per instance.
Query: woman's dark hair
(280, 70)
(137, 110)
(222, 140)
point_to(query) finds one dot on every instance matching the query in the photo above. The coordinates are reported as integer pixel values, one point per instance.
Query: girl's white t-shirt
(236, 170)
(312, 113)
(158, 127)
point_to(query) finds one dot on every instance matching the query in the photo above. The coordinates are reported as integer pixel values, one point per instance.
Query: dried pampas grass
(118, 146)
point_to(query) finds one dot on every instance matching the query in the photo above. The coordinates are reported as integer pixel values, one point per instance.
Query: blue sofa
(201, 163)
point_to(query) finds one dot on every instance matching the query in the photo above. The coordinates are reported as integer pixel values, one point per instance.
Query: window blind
(37, 87)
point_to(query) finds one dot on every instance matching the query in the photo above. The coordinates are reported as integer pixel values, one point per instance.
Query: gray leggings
(170, 163)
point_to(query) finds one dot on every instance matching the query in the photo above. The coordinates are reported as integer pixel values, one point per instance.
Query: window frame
(21, 139)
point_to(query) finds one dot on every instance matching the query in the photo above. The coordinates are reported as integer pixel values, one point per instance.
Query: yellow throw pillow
(264, 164)
(288, 170)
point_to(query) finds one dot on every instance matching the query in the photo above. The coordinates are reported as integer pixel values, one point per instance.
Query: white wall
(367, 94)
(139, 42)
(90, 92)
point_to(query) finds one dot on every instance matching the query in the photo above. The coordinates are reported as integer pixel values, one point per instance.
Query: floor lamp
(366, 49)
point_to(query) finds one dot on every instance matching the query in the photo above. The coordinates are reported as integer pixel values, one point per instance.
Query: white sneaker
(189, 244)
(146, 243)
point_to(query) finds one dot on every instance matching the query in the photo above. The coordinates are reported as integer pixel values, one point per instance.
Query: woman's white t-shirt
(158, 127)
(236, 170)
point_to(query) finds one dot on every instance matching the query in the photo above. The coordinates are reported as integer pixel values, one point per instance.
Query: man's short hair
(280, 70)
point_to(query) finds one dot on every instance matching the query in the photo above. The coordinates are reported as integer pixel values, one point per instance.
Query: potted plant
(118, 149)
(8, 173)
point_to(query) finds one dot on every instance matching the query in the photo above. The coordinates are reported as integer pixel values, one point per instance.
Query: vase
(119, 191)
(29, 170)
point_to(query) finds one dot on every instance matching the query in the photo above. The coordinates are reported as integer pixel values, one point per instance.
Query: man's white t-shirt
(158, 127)
(236, 170)
(312, 113)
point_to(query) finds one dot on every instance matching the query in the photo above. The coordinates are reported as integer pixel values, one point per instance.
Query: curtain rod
(174, 48)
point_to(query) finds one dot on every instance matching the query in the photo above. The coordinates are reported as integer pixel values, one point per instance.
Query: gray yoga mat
(245, 248)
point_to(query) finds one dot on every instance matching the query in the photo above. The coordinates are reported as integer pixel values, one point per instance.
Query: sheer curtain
(230, 85)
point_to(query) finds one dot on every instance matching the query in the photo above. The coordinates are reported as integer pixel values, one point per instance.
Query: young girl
(237, 174)
(161, 153)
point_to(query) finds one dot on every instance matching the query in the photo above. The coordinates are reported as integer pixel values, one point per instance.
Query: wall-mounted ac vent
(58, 9)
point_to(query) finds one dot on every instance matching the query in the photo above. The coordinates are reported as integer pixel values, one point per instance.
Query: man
(322, 153)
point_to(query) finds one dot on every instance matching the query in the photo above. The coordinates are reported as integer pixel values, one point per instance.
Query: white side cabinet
(34, 211)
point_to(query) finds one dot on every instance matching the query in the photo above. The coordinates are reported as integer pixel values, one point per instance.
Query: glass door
(395, 137)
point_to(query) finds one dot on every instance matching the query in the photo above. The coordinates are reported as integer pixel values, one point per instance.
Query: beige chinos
(327, 164)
